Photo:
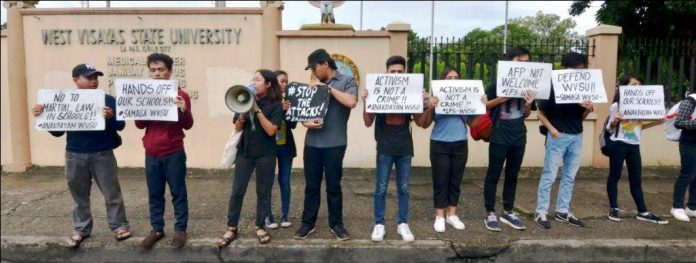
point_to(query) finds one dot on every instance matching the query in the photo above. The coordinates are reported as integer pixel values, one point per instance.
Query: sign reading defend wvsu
(459, 97)
(307, 103)
(578, 85)
(514, 78)
(394, 93)
(146, 99)
(71, 110)
(642, 102)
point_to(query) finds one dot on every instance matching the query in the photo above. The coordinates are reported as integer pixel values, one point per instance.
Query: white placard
(146, 99)
(394, 93)
(515, 77)
(578, 85)
(71, 110)
(458, 97)
(642, 102)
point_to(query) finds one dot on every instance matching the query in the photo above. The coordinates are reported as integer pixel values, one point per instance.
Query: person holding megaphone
(256, 151)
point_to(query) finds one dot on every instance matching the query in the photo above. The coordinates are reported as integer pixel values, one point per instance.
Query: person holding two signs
(89, 155)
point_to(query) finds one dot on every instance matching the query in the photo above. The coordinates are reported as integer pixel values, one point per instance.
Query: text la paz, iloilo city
(458, 97)
(71, 110)
(514, 78)
(146, 99)
(306, 103)
(642, 102)
(394, 93)
(578, 85)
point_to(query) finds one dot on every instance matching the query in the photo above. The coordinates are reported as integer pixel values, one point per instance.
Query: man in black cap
(325, 146)
(89, 155)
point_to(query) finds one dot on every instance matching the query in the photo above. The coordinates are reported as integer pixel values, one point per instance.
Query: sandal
(263, 236)
(75, 241)
(227, 238)
(122, 234)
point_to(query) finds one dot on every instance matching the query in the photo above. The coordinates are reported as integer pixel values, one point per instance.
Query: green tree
(4, 25)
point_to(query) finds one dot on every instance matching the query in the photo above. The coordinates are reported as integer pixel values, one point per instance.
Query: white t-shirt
(629, 130)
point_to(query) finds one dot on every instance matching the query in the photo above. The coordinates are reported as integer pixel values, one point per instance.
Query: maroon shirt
(166, 137)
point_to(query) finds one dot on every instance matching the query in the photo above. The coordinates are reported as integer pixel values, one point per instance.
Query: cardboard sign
(514, 78)
(71, 110)
(394, 93)
(578, 85)
(458, 97)
(146, 99)
(306, 103)
(642, 102)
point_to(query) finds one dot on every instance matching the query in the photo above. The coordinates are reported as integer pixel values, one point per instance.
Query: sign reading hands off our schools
(146, 99)
(642, 102)
(71, 110)
(578, 85)
(459, 97)
(394, 93)
(514, 78)
(306, 103)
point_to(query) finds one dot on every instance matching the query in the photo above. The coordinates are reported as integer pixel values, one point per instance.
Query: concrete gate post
(272, 22)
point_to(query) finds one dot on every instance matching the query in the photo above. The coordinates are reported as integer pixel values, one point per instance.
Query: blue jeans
(284, 171)
(403, 172)
(567, 148)
(160, 171)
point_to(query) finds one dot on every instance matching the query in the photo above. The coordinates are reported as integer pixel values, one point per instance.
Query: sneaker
(614, 214)
(650, 217)
(510, 218)
(542, 221)
(340, 232)
(378, 233)
(405, 232)
(151, 239)
(690, 213)
(270, 222)
(285, 221)
(304, 231)
(439, 224)
(679, 214)
(455, 222)
(491, 222)
(569, 218)
(179, 239)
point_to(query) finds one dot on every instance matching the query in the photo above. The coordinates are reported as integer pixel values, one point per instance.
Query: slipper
(263, 237)
(75, 241)
(122, 234)
(225, 240)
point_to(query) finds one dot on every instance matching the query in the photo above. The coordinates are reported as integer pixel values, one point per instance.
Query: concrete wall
(5, 110)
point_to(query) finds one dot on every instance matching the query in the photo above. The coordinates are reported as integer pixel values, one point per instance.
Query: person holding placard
(625, 137)
(285, 152)
(686, 121)
(165, 159)
(507, 144)
(448, 156)
(562, 125)
(256, 151)
(394, 148)
(325, 146)
(89, 156)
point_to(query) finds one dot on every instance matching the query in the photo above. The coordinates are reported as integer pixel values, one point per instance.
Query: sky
(452, 18)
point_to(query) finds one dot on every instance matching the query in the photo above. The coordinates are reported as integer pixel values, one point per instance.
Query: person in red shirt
(165, 159)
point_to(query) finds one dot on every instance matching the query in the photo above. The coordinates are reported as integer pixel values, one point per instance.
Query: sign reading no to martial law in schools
(71, 110)
(146, 99)
(642, 102)
(458, 97)
(578, 85)
(514, 78)
(394, 93)
(306, 103)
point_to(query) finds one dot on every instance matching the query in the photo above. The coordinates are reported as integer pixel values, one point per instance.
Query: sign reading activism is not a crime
(394, 93)
(642, 102)
(71, 110)
(459, 97)
(306, 103)
(146, 99)
(578, 85)
(514, 78)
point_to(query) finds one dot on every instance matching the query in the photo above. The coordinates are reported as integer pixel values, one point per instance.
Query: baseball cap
(319, 55)
(85, 70)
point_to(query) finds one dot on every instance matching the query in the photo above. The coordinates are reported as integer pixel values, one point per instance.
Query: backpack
(672, 133)
(605, 138)
(484, 129)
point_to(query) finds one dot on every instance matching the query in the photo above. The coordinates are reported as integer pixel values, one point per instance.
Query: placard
(71, 110)
(458, 97)
(515, 77)
(578, 85)
(394, 93)
(306, 103)
(642, 102)
(146, 99)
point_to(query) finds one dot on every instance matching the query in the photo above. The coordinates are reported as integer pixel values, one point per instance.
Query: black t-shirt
(508, 125)
(567, 118)
(257, 143)
(393, 134)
